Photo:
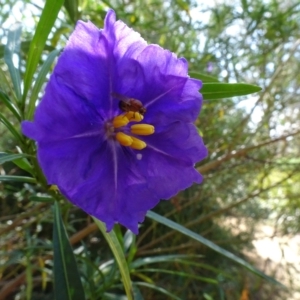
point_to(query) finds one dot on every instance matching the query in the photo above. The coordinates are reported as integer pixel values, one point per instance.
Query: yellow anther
(120, 121)
(142, 129)
(137, 144)
(134, 116)
(124, 139)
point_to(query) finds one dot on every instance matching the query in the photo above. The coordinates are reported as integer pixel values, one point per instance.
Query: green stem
(117, 250)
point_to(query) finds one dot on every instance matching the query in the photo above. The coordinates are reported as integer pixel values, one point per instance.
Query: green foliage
(67, 284)
(47, 19)
(117, 250)
(250, 177)
(13, 47)
(207, 243)
(218, 90)
(40, 80)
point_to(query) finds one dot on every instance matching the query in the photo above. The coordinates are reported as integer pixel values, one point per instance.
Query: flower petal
(170, 157)
(62, 114)
(125, 42)
(175, 176)
(179, 140)
(165, 93)
(154, 58)
(85, 64)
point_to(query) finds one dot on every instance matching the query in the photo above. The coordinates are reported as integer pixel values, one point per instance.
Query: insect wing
(120, 97)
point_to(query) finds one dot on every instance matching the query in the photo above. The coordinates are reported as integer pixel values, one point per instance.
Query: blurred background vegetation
(251, 188)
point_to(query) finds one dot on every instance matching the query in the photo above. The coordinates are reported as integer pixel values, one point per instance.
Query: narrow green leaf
(111, 296)
(41, 199)
(11, 128)
(46, 22)
(4, 157)
(209, 244)
(24, 164)
(39, 83)
(178, 273)
(157, 288)
(17, 178)
(62, 30)
(203, 77)
(208, 297)
(137, 295)
(72, 9)
(5, 99)
(18, 159)
(117, 250)
(207, 267)
(13, 48)
(67, 284)
(227, 90)
(160, 259)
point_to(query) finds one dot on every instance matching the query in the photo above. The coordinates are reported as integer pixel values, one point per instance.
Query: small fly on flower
(127, 104)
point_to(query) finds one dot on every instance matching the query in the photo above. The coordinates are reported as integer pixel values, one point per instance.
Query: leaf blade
(67, 283)
(157, 288)
(203, 77)
(47, 19)
(117, 250)
(17, 178)
(39, 82)
(159, 259)
(209, 244)
(13, 47)
(5, 99)
(11, 128)
(71, 7)
(5, 157)
(211, 91)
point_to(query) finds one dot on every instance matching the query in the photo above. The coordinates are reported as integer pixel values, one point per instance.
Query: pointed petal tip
(132, 227)
(110, 17)
(109, 227)
(28, 129)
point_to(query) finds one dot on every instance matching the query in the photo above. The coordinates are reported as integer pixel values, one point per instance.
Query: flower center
(123, 134)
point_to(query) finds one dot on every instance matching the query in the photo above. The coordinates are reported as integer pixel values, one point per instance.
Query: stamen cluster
(121, 130)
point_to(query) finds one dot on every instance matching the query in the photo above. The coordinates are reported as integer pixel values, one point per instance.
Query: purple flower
(109, 154)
